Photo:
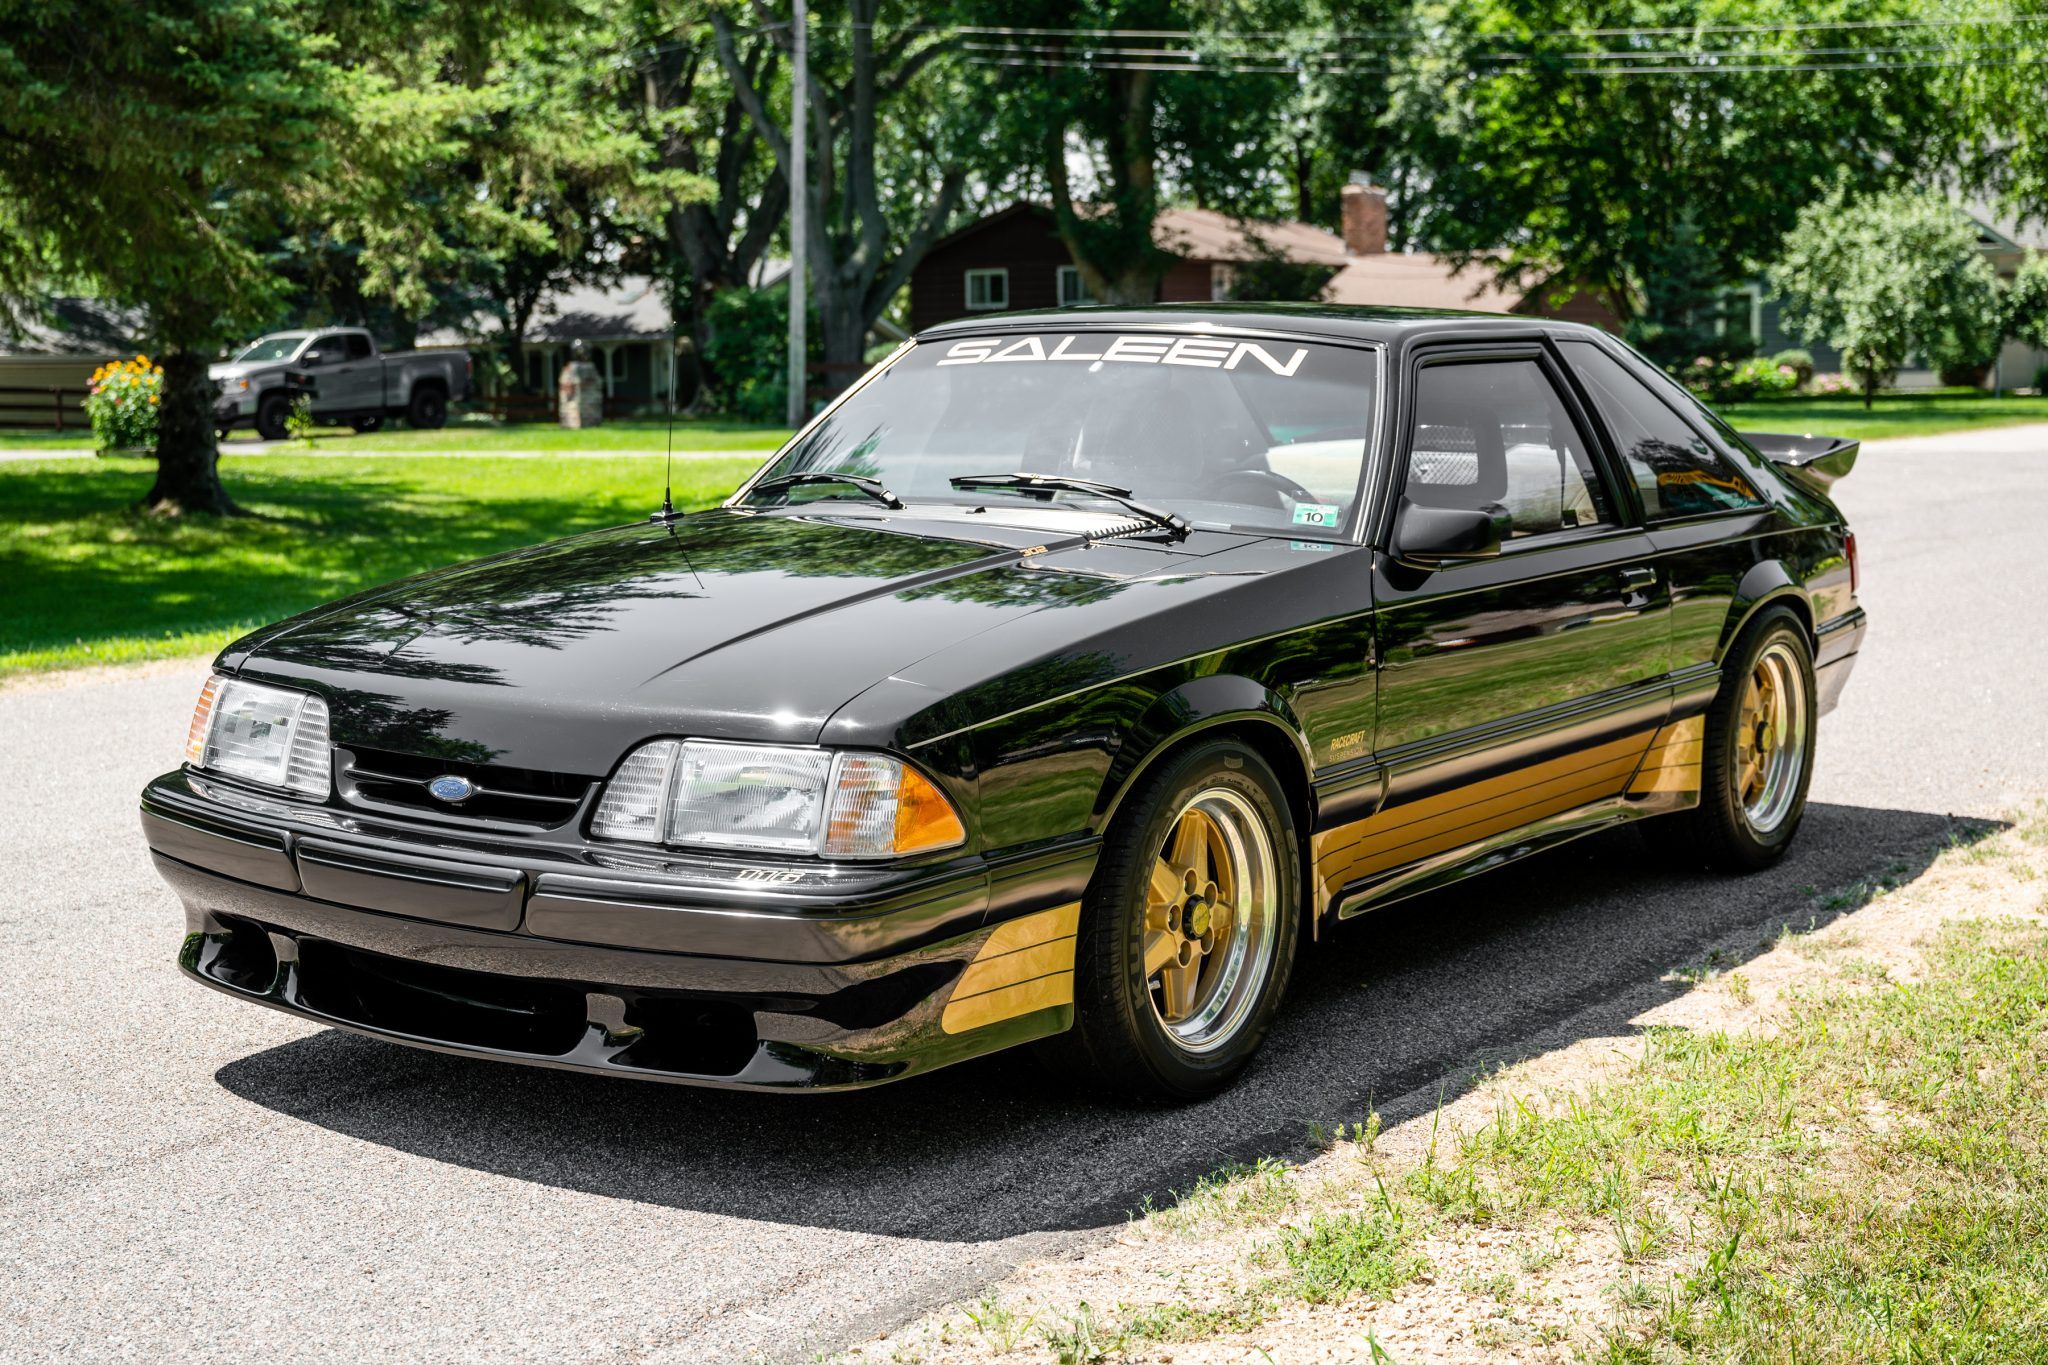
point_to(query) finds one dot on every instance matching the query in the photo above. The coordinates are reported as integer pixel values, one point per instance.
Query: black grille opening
(241, 957)
(528, 795)
(448, 1004)
(695, 1037)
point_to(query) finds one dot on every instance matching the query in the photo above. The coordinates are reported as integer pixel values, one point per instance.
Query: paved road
(184, 1176)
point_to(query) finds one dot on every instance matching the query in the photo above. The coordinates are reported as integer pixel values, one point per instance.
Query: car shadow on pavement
(1393, 1010)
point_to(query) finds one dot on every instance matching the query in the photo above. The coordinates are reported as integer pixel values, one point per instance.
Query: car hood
(731, 624)
(238, 370)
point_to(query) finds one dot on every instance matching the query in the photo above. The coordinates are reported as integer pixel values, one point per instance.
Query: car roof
(1351, 322)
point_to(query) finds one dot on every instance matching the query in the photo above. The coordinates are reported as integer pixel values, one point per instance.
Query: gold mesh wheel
(1210, 920)
(1770, 738)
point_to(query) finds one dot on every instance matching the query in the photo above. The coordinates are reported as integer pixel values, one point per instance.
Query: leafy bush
(298, 423)
(1964, 375)
(1798, 361)
(1725, 381)
(123, 401)
(1828, 384)
(746, 353)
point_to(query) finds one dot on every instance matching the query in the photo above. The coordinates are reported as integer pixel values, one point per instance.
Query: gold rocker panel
(1027, 965)
(1673, 763)
(1477, 811)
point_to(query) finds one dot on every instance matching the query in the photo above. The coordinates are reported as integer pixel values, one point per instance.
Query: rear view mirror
(1429, 536)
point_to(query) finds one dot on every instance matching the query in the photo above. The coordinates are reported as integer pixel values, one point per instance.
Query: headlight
(775, 798)
(265, 734)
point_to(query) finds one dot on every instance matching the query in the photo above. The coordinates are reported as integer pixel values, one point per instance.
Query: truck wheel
(271, 410)
(428, 410)
(363, 426)
(1188, 932)
(1757, 757)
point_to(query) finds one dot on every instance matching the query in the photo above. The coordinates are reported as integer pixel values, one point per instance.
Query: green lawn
(90, 581)
(1897, 414)
(646, 434)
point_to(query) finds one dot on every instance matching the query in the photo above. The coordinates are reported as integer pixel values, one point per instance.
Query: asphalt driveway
(183, 1176)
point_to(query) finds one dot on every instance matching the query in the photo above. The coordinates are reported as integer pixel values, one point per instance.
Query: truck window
(359, 347)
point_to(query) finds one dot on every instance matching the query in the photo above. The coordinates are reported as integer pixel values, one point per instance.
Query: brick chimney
(1365, 217)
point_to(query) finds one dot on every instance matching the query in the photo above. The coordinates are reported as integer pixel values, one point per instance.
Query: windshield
(1257, 434)
(271, 348)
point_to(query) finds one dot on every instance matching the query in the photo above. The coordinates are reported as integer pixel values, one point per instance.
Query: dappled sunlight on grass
(91, 580)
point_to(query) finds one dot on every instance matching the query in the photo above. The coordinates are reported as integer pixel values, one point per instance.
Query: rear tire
(1200, 881)
(271, 411)
(428, 410)
(1757, 759)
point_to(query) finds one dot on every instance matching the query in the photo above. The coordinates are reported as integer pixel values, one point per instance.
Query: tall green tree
(890, 149)
(1882, 277)
(141, 150)
(1111, 138)
(1569, 141)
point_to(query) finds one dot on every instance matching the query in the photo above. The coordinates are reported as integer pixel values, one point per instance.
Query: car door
(1704, 515)
(1518, 687)
(336, 374)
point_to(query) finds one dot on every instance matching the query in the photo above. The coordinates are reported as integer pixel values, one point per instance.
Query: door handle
(1637, 582)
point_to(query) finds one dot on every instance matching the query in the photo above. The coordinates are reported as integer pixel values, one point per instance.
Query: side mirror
(310, 358)
(1430, 536)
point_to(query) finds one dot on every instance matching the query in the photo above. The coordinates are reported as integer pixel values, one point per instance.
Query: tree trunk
(187, 459)
(845, 344)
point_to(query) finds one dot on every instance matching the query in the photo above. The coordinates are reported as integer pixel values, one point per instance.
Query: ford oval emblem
(452, 789)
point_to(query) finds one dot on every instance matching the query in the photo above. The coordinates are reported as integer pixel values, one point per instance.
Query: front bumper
(706, 971)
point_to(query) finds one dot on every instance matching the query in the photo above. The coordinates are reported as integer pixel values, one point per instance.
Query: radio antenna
(668, 506)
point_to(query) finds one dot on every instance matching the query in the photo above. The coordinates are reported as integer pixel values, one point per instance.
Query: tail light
(1855, 569)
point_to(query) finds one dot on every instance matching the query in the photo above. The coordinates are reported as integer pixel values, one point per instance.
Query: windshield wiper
(782, 483)
(1045, 485)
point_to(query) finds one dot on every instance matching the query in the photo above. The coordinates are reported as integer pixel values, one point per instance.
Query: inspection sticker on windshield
(1316, 513)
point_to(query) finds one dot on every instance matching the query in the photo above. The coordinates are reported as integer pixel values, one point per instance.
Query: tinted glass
(1224, 431)
(1679, 473)
(271, 348)
(1494, 432)
(358, 346)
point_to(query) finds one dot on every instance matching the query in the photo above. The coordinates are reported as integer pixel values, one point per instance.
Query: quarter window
(1677, 471)
(988, 290)
(1495, 433)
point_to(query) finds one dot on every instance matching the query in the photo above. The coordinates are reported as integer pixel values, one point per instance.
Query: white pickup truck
(349, 381)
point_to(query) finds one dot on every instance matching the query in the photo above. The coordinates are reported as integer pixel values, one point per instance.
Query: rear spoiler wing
(1816, 461)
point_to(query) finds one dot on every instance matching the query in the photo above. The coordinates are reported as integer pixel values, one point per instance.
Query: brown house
(1013, 259)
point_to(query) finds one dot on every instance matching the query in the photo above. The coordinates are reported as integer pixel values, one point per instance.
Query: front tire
(271, 412)
(1188, 932)
(1757, 760)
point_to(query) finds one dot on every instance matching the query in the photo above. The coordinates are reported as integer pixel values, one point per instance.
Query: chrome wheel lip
(1227, 1001)
(1783, 706)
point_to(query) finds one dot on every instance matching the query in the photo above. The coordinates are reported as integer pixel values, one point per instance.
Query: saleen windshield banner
(1210, 353)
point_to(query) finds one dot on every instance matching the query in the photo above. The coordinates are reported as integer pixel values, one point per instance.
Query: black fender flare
(1190, 709)
(1767, 584)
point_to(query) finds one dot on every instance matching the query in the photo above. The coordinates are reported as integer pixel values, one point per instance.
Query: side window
(1495, 431)
(1678, 472)
(358, 346)
(331, 348)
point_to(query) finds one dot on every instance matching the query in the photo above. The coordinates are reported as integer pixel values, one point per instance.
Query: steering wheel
(1267, 481)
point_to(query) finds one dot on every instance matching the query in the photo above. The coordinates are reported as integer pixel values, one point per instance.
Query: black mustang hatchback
(1056, 683)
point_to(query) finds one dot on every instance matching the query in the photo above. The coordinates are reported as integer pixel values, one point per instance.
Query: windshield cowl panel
(1266, 435)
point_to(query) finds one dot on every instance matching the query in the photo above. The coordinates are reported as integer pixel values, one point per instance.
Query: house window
(1221, 277)
(988, 290)
(1073, 290)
